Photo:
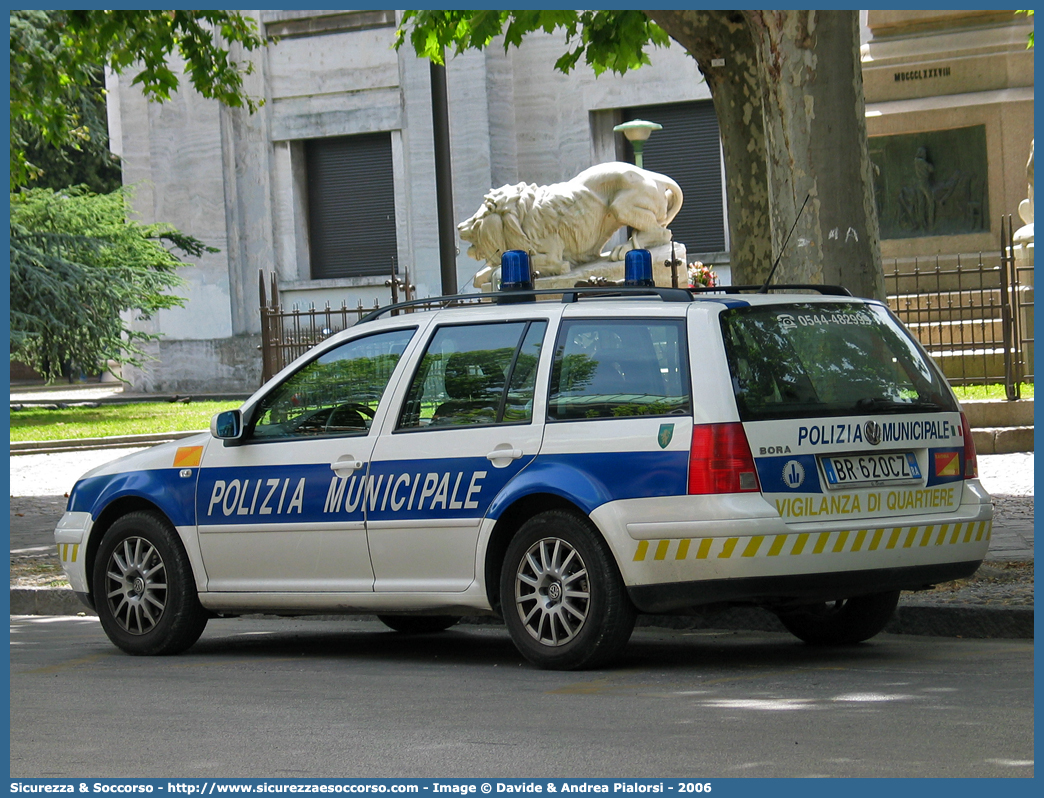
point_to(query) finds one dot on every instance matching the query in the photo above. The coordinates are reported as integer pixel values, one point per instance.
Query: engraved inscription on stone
(931, 184)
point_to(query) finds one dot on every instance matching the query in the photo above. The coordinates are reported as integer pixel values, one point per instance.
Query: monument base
(610, 271)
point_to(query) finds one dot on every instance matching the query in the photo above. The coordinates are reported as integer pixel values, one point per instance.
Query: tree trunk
(815, 133)
(709, 36)
(790, 107)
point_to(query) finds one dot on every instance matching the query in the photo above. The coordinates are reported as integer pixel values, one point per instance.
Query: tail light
(971, 460)
(720, 460)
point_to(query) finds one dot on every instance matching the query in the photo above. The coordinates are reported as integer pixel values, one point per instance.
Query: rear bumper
(710, 552)
(797, 588)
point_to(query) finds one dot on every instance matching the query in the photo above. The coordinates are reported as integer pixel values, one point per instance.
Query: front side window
(335, 394)
(475, 374)
(827, 360)
(618, 368)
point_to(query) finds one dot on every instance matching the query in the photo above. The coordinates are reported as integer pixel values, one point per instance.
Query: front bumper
(71, 536)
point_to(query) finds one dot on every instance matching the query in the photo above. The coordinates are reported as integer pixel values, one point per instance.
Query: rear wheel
(418, 624)
(841, 622)
(561, 594)
(144, 591)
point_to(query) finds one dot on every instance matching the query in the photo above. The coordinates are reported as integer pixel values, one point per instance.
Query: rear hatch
(846, 417)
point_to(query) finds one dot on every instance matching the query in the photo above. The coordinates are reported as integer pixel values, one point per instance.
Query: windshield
(832, 359)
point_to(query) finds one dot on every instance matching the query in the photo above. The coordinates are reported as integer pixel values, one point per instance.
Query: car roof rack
(570, 295)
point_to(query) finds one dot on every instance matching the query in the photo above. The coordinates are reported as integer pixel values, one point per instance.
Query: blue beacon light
(638, 269)
(515, 275)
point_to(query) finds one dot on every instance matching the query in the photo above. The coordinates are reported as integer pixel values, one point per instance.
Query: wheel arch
(113, 511)
(511, 519)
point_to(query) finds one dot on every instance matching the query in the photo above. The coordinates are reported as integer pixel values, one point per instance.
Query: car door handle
(346, 465)
(504, 454)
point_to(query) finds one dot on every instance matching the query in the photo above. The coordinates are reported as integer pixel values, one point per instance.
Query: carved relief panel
(932, 183)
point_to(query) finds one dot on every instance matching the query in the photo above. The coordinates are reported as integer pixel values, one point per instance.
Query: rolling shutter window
(688, 150)
(351, 206)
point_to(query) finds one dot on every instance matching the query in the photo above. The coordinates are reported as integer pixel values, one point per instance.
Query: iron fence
(972, 313)
(288, 334)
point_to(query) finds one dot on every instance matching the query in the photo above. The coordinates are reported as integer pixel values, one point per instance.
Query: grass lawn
(141, 418)
(33, 424)
(974, 392)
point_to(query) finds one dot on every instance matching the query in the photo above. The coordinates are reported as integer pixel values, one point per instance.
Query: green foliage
(1029, 13)
(606, 40)
(77, 264)
(57, 57)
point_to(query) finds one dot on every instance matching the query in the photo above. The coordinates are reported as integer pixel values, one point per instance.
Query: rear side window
(827, 360)
(619, 368)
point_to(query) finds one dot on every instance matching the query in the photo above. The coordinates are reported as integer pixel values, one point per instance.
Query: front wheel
(144, 591)
(845, 622)
(562, 596)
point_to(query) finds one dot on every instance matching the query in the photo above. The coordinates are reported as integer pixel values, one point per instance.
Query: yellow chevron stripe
(639, 554)
(683, 549)
(878, 534)
(799, 542)
(753, 546)
(821, 543)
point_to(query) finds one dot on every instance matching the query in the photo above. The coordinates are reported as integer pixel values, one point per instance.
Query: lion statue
(566, 224)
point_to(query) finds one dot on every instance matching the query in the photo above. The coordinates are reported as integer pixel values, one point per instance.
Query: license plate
(851, 470)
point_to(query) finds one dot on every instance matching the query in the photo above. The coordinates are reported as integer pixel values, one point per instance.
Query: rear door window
(475, 375)
(618, 368)
(827, 360)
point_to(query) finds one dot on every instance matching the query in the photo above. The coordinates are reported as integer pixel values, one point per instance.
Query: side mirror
(227, 425)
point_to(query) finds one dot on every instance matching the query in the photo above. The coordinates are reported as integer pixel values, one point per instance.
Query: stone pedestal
(613, 270)
(610, 271)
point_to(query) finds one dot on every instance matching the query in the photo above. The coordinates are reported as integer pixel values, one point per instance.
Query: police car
(565, 461)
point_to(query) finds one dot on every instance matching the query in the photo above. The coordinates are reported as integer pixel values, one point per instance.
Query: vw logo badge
(872, 432)
(793, 474)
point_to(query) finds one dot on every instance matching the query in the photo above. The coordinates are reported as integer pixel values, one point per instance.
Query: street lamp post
(637, 131)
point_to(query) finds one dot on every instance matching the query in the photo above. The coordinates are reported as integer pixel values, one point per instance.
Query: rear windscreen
(827, 360)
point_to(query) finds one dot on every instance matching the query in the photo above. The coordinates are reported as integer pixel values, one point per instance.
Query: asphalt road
(319, 697)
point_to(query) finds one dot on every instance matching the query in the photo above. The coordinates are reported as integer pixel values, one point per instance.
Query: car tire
(838, 623)
(418, 624)
(562, 596)
(144, 591)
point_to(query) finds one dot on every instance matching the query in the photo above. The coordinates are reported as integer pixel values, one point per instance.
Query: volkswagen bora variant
(565, 465)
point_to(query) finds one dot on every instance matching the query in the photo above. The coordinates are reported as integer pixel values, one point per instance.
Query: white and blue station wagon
(565, 461)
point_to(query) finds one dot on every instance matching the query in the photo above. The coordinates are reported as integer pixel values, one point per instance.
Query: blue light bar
(515, 274)
(638, 268)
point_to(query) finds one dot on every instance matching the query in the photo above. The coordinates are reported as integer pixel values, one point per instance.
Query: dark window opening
(688, 150)
(351, 206)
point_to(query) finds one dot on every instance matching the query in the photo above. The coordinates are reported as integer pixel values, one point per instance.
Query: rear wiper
(884, 405)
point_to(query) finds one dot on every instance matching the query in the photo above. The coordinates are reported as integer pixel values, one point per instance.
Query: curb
(934, 620)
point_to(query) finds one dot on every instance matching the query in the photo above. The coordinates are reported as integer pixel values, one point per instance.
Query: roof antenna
(764, 289)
